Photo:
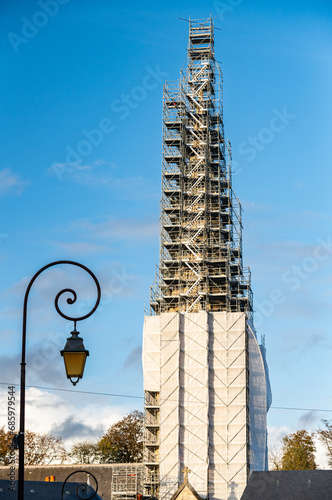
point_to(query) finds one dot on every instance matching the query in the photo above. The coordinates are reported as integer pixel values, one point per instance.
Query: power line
(286, 408)
(81, 392)
(298, 409)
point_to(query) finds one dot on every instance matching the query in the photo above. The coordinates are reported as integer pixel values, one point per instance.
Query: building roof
(186, 492)
(40, 490)
(293, 484)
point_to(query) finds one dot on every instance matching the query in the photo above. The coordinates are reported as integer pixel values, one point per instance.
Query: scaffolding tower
(151, 443)
(127, 481)
(205, 376)
(201, 266)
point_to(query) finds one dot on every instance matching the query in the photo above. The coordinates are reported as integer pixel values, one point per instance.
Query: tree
(325, 437)
(40, 449)
(85, 453)
(298, 452)
(5, 441)
(275, 456)
(43, 449)
(123, 442)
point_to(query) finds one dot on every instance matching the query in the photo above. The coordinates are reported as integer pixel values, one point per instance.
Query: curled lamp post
(81, 488)
(74, 353)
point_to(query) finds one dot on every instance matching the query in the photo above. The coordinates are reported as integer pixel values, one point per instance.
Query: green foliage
(123, 442)
(298, 452)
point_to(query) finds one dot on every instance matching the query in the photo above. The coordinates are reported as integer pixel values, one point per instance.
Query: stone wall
(103, 474)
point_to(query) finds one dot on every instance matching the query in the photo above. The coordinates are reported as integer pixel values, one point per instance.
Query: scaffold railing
(201, 217)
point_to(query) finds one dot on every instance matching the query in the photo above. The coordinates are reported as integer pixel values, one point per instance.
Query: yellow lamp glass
(74, 363)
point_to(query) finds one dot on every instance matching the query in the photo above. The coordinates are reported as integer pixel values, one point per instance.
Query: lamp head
(74, 355)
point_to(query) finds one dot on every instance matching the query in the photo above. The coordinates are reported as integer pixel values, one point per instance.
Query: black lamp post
(74, 353)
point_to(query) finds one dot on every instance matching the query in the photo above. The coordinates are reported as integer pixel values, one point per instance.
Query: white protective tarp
(194, 399)
(228, 405)
(212, 380)
(151, 353)
(169, 402)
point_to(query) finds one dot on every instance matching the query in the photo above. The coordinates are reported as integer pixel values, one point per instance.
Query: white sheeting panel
(213, 400)
(228, 406)
(194, 403)
(169, 403)
(151, 353)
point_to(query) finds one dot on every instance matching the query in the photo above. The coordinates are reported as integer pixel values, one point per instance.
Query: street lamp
(74, 353)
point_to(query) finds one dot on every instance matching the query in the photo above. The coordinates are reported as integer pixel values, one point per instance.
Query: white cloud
(270, 217)
(44, 291)
(320, 455)
(121, 229)
(53, 279)
(10, 182)
(75, 417)
(81, 247)
(304, 339)
(97, 174)
(92, 235)
(276, 434)
(101, 174)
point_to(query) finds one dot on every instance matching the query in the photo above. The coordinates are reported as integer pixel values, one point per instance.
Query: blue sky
(80, 170)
